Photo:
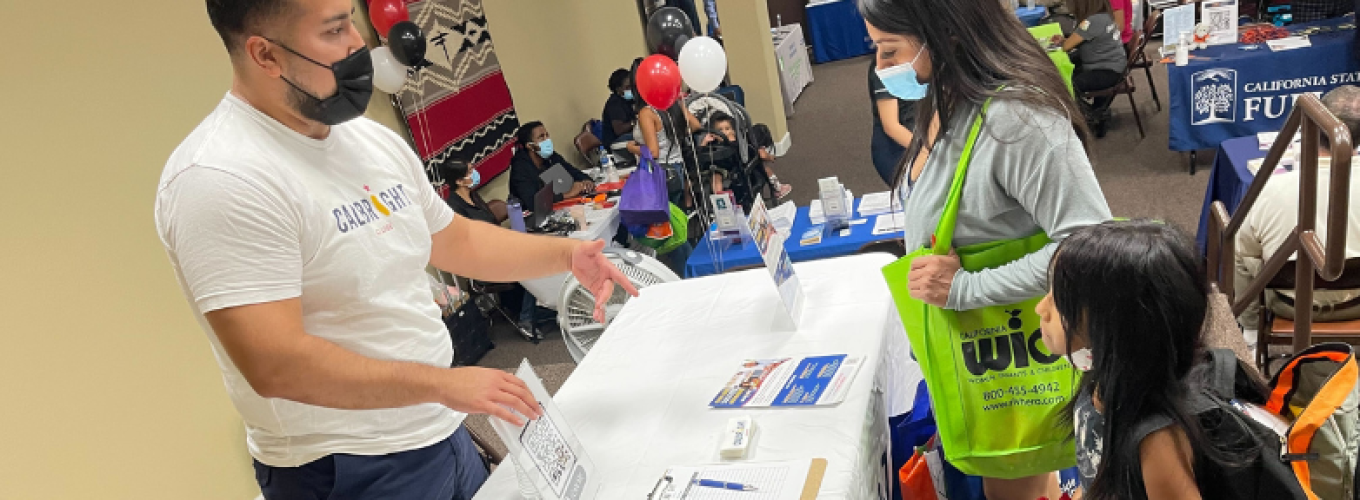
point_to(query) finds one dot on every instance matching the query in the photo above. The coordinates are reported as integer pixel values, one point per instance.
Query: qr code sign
(1220, 20)
(549, 451)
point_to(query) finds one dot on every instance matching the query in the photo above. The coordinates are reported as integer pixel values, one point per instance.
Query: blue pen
(709, 483)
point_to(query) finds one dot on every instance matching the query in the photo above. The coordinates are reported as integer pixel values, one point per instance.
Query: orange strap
(1285, 385)
(1324, 404)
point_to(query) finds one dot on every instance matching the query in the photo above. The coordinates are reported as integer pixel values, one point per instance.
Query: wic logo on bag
(1007, 346)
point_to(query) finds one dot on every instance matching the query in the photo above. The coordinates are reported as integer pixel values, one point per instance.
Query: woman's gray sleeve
(1061, 193)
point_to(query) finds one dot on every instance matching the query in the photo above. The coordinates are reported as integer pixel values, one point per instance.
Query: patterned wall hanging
(459, 107)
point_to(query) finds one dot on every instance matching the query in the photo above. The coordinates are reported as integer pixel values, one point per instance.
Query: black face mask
(353, 87)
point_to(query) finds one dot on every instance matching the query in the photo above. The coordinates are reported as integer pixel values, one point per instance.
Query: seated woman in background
(618, 116)
(1100, 57)
(467, 203)
(534, 155)
(464, 200)
(726, 127)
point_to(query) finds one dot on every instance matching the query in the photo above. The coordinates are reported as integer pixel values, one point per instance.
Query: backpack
(1222, 399)
(1317, 394)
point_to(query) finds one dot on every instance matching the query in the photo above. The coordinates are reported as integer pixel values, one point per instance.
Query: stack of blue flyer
(805, 381)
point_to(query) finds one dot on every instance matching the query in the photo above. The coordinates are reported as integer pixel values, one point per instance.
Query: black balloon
(667, 31)
(407, 42)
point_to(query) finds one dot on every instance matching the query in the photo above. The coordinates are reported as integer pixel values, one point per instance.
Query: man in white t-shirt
(1276, 214)
(300, 233)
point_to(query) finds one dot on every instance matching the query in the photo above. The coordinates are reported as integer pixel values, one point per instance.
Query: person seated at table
(726, 128)
(467, 203)
(1100, 57)
(618, 116)
(463, 198)
(1316, 10)
(1269, 223)
(534, 155)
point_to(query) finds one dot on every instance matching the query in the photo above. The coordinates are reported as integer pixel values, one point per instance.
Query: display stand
(549, 462)
(770, 243)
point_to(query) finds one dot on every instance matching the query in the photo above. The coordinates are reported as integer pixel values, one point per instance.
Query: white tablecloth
(600, 225)
(639, 400)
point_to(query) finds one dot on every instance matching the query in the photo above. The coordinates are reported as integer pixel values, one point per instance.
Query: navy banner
(1230, 91)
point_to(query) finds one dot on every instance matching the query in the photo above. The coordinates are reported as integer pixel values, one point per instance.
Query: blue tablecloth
(1227, 92)
(738, 256)
(1030, 17)
(837, 31)
(1229, 179)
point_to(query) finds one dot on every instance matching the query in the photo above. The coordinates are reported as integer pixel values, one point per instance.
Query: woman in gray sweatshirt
(1029, 170)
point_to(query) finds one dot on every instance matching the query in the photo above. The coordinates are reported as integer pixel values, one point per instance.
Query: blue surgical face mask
(628, 94)
(476, 179)
(901, 80)
(545, 148)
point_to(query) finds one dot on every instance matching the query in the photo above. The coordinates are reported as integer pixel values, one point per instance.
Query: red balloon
(658, 81)
(385, 13)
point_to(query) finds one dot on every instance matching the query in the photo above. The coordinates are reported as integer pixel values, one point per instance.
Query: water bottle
(1030, 4)
(516, 215)
(779, 20)
(1182, 50)
(611, 174)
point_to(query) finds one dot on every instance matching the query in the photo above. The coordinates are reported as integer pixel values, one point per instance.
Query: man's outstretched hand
(598, 275)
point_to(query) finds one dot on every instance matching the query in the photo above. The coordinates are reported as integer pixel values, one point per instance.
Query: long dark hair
(976, 47)
(1082, 9)
(1136, 292)
(454, 171)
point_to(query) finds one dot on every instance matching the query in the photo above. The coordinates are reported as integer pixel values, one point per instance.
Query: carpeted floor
(830, 131)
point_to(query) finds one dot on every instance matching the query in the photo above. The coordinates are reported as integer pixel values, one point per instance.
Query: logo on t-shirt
(377, 207)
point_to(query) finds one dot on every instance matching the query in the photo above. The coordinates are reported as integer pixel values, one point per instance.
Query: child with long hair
(1127, 304)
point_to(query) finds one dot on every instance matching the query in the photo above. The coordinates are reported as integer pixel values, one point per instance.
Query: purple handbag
(644, 200)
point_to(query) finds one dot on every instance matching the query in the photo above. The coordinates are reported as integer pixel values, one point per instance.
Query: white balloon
(388, 74)
(703, 64)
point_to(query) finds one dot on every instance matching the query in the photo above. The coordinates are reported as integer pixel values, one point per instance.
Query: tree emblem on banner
(1215, 96)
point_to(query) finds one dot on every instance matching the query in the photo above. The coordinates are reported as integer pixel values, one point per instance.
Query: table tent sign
(549, 461)
(770, 242)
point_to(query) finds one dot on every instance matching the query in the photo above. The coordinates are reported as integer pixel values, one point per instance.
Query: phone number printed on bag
(1022, 390)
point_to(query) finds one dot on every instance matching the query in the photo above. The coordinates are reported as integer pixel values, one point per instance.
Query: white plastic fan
(576, 312)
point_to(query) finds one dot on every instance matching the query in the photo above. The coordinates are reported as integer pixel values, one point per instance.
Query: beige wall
(557, 56)
(109, 387)
(751, 61)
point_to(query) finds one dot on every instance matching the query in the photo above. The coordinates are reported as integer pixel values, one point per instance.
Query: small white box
(737, 437)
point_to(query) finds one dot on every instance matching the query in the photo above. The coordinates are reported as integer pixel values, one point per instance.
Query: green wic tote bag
(998, 393)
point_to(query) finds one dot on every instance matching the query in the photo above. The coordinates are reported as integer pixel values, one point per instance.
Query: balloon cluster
(670, 37)
(405, 44)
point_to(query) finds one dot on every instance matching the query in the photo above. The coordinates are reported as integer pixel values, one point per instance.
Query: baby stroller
(740, 157)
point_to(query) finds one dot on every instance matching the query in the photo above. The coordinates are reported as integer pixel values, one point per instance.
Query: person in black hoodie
(534, 155)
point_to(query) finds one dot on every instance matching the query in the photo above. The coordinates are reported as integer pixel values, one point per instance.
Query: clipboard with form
(785, 480)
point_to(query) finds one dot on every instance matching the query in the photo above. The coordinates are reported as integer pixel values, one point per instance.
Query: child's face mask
(1082, 359)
